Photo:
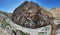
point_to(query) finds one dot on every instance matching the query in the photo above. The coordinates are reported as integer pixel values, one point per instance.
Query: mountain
(56, 11)
(7, 27)
(7, 14)
(31, 15)
(27, 18)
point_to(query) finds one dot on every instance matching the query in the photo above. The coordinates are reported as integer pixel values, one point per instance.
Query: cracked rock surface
(31, 15)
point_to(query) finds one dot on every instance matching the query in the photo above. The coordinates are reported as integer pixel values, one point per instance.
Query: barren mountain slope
(31, 15)
(56, 11)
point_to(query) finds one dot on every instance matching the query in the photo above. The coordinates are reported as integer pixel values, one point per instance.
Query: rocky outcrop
(31, 15)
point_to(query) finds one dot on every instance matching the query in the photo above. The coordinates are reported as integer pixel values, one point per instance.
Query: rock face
(31, 15)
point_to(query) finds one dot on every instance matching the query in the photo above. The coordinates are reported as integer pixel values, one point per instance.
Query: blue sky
(10, 5)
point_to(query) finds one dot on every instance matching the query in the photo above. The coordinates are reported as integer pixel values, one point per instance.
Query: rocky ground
(6, 28)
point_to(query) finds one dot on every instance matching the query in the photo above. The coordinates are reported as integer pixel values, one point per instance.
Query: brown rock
(31, 15)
